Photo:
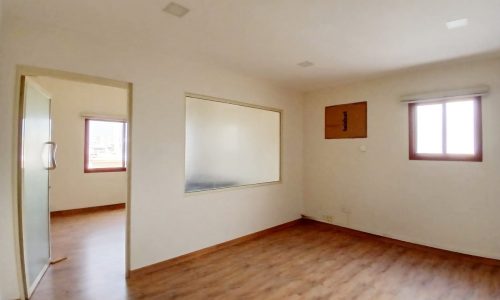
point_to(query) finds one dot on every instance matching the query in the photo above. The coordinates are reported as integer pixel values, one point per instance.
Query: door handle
(52, 156)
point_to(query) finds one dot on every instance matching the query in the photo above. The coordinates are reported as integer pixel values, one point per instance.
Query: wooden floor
(95, 246)
(306, 261)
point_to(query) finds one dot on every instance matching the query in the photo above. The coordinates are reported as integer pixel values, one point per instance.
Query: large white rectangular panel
(230, 145)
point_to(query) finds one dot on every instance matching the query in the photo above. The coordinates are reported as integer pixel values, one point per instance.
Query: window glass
(429, 128)
(460, 127)
(446, 130)
(105, 144)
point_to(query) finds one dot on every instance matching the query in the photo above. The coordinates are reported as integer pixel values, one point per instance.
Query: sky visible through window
(460, 134)
(106, 141)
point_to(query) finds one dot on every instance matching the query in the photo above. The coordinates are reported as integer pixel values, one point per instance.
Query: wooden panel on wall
(346, 121)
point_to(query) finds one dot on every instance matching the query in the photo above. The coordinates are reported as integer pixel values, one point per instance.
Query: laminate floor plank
(309, 260)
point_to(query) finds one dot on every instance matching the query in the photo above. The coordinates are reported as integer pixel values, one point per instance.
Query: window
(230, 144)
(105, 146)
(446, 130)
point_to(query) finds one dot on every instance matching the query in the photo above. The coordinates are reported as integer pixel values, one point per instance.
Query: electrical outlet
(328, 218)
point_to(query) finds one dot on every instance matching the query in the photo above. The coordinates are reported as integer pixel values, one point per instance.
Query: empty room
(250, 149)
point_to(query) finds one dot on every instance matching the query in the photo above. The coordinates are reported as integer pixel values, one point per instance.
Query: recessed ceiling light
(176, 9)
(305, 64)
(457, 23)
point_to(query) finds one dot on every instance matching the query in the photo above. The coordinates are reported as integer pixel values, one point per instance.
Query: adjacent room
(86, 187)
(195, 149)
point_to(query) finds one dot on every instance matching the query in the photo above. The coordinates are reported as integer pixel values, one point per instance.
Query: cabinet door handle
(344, 121)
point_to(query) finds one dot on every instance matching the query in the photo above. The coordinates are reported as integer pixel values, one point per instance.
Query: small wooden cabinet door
(346, 121)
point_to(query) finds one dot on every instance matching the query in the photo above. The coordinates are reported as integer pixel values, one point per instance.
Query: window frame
(86, 169)
(478, 139)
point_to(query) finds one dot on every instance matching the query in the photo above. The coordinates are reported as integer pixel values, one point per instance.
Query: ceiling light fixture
(176, 9)
(457, 23)
(305, 64)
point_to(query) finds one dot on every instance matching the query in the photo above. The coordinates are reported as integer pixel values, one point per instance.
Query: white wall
(450, 205)
(8, 275)
(70, 187)
(6, 253)
(165, 222)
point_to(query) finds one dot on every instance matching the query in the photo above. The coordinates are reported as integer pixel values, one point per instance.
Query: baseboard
(192, 255)
(87, 210)
(438, 251)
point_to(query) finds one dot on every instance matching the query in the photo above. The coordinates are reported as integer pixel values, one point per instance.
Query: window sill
(468, 158)
(105, 170)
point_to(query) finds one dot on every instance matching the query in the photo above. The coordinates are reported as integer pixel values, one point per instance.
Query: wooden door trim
(19, 177)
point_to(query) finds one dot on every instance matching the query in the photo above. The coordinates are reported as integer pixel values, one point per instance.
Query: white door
(36, 160)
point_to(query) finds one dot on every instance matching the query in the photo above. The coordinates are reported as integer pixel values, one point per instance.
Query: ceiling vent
(305, 64)
(176, 9)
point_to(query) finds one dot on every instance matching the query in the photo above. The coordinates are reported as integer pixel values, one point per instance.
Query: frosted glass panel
(35, 180)
(230, 145)
(460, 127)
(430, 128)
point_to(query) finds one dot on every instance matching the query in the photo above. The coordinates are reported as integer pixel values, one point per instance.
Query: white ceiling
(345, 39)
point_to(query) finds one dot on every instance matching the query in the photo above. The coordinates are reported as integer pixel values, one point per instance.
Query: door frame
(21, 72)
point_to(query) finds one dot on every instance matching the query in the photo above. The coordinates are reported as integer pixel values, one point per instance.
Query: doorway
(39, 190)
